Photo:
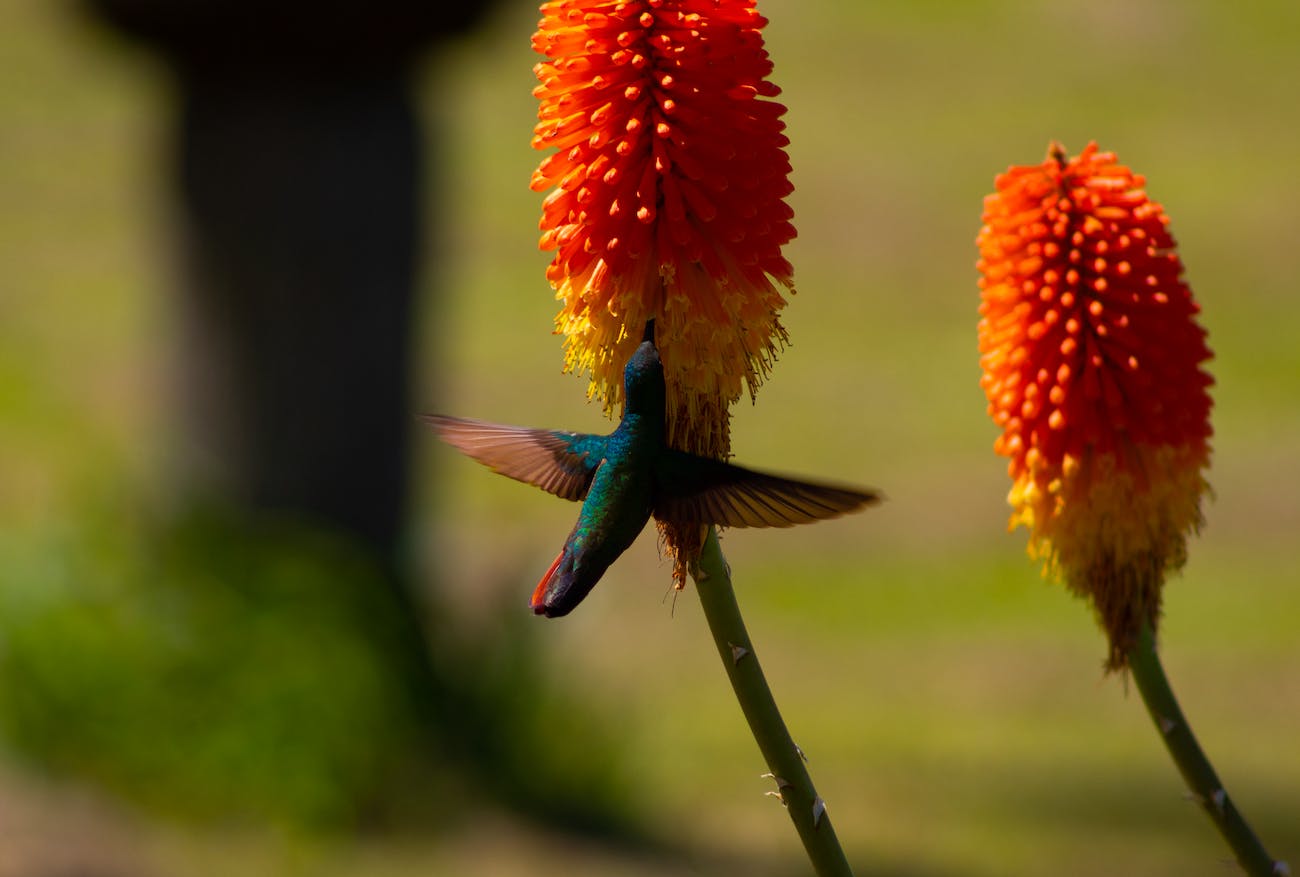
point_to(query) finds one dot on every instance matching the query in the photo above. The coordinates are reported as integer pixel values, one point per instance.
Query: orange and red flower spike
(666, 201)
(666, 198)
(1091, 356)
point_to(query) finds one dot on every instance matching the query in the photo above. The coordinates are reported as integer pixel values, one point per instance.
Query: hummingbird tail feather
(538, 601)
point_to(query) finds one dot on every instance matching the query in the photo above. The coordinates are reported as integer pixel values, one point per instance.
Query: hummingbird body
(620, 500)
(630, 475)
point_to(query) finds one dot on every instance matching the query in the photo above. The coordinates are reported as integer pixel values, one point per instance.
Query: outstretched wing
(561, 463)
(697, 490)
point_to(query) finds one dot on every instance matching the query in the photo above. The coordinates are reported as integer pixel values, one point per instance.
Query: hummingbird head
(643, 380)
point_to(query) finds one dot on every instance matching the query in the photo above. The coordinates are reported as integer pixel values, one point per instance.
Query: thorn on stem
(737, 652)
(776, 795)
(818, 810)
(1220, 797)
(1167, 725)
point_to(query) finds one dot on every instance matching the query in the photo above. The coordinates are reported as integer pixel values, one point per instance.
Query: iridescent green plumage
(631, 474)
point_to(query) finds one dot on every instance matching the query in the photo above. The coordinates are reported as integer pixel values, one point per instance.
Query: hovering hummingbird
(624, 478)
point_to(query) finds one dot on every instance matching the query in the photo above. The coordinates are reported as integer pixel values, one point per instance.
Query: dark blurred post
(298, 162)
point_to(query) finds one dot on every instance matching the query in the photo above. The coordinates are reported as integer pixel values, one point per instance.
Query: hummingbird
(624, 478)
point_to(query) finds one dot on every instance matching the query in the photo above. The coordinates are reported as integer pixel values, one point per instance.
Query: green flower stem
(784, 759)
(1144, 662)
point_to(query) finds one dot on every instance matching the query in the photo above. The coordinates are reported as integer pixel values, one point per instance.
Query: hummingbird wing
(562, 463)
(697, 490)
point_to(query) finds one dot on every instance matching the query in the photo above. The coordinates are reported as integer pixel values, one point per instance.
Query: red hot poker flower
(1092, 356)
(666, 198)
(666, 202)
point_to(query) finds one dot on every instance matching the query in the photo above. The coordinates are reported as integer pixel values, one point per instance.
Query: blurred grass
(200, 668)
(952, 705)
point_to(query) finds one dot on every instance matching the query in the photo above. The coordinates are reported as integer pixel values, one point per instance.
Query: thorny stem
(1144, 662)
(784, 760)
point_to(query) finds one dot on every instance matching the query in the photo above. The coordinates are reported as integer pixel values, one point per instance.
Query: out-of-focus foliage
(201, 665)
(214, 667)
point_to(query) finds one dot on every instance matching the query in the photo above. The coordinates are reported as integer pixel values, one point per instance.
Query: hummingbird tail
(538, 601)
(566, 583)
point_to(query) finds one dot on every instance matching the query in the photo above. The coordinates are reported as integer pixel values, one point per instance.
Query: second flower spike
(1092, 355)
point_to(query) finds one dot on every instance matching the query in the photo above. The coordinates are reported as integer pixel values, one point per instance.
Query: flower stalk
(785, 761)
(1192, 763)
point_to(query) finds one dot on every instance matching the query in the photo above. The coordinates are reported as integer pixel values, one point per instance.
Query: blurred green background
(951, 704)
